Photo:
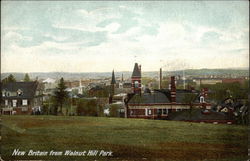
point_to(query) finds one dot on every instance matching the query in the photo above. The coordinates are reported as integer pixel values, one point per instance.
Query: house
(21, 97)
(49, 87)
(200, 81)
(158, 103)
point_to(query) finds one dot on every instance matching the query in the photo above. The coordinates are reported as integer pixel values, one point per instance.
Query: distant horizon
(239, 68)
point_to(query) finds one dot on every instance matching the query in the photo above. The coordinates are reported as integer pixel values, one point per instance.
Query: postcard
(125, 80)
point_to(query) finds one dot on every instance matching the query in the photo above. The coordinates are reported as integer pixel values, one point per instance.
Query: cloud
(100, 36)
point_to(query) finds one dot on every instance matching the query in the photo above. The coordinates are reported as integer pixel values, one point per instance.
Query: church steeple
(113, 78)
(113, 82)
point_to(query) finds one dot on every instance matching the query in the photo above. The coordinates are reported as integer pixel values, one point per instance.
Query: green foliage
(88, 108)
(103, 92)
(222, 91)
(114, 110)
(61, 94)
(165, 83)
(189, 99)
(146, 80)
(50, 106)
(9, 79)
(26, 78)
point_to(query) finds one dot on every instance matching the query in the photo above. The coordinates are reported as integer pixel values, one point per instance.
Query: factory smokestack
(160, 83)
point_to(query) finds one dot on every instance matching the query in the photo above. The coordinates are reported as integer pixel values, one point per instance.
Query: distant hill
(127, 74)
(216, 72)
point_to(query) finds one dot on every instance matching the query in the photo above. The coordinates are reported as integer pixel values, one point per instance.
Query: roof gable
(28, 88)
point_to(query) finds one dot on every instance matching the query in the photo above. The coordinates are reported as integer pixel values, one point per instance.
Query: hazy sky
(98, 36)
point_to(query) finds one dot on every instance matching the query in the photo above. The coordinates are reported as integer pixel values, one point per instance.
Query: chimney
(173, 89)
(160, 84)
(204, 92)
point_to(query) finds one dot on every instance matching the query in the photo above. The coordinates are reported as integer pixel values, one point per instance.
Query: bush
(114, 111)
(89, 108)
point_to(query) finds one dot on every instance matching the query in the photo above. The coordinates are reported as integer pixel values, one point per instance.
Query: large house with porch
(21, 97)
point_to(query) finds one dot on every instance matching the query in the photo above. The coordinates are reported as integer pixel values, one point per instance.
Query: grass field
(128, 139)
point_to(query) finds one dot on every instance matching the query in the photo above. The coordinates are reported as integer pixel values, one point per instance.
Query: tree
(26, 78)
(189, 99)
(222, 91)
(61, 94)
(88, 108)
(114, 110)
(9, 79)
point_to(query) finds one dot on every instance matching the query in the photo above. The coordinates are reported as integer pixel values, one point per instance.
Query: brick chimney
(173, 89)
(204, 92)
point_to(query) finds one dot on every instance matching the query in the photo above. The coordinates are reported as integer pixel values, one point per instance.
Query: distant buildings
(233, 80)
(156, 99)
(210, 81)
(49, 87)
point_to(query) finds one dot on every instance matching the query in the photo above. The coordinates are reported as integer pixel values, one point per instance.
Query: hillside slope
(128, 139)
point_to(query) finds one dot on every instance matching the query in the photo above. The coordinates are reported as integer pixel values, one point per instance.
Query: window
(159, 111)
(6, 102)
(202, 99)
(150, 112)
(25, 102)
(19, 92)
(165, 111)
(136, 84)
(14, 103)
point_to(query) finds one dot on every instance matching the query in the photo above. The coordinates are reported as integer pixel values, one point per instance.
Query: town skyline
(102, 36)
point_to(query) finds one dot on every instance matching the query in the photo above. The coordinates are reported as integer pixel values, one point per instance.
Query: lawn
(127, 139)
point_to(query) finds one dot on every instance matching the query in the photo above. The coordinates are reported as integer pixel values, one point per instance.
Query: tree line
(11, 78)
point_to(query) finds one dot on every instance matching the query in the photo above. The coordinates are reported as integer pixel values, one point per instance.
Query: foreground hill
(128, 139)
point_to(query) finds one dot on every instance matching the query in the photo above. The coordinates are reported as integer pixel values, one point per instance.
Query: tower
(113, 82)
(80, 87)
(160, 83)
(136, 79)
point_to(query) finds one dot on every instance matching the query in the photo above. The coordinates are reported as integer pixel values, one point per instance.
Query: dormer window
(202, 99)
(19, 92)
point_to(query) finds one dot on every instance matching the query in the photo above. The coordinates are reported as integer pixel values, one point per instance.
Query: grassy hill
(128, 139)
